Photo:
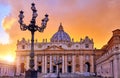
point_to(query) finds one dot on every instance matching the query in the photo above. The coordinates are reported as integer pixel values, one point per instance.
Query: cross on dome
(60, 27)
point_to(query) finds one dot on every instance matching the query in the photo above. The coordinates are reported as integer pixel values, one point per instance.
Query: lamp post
(32, 27)
(57, 63)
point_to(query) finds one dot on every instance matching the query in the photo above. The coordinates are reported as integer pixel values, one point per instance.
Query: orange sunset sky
(94, 18)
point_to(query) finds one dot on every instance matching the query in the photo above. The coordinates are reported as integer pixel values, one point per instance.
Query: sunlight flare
(5, 39)
(9, 58)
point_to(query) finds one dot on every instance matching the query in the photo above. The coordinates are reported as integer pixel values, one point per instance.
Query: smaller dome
(60, 36)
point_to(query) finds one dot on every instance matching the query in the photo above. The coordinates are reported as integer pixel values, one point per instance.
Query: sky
(94, 18)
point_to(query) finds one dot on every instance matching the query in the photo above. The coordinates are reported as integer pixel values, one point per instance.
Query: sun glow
(9, 58)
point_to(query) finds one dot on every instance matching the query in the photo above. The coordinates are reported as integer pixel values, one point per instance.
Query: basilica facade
(75, 57)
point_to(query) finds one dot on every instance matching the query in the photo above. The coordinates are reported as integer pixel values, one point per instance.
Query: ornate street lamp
(32, 27)
(57, 63)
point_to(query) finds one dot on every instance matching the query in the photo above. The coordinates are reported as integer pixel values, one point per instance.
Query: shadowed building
(108, 65)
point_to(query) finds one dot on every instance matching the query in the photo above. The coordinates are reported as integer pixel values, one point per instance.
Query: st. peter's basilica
(75, 57)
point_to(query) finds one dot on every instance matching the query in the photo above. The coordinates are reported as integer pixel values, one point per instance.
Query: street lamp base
(58, 77)
(31, 74)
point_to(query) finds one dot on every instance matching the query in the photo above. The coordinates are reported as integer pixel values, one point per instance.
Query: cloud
(8, 22)
(95, 18)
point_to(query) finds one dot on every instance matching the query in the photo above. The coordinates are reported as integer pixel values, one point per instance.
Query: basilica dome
(60, 35)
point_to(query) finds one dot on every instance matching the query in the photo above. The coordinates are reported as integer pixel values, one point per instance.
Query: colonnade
(7, 70)
(47, 65)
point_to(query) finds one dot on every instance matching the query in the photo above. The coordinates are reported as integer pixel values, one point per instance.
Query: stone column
(18, 66)
(115, 64)
(9, 71)
(43, 64)
(27, 62)
(6, 71)
(119, 66)
(66, 63)
(57, 68)
(73, 63)
(91, 63)
(111, 68)
(51, 64)
(35, 62)
(1, 73)
(81, 63)
(63, 64)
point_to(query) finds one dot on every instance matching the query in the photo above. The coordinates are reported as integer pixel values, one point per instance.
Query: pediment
(54, 47)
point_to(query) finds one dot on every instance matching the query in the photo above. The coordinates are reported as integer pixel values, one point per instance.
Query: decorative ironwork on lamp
(32, 27)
